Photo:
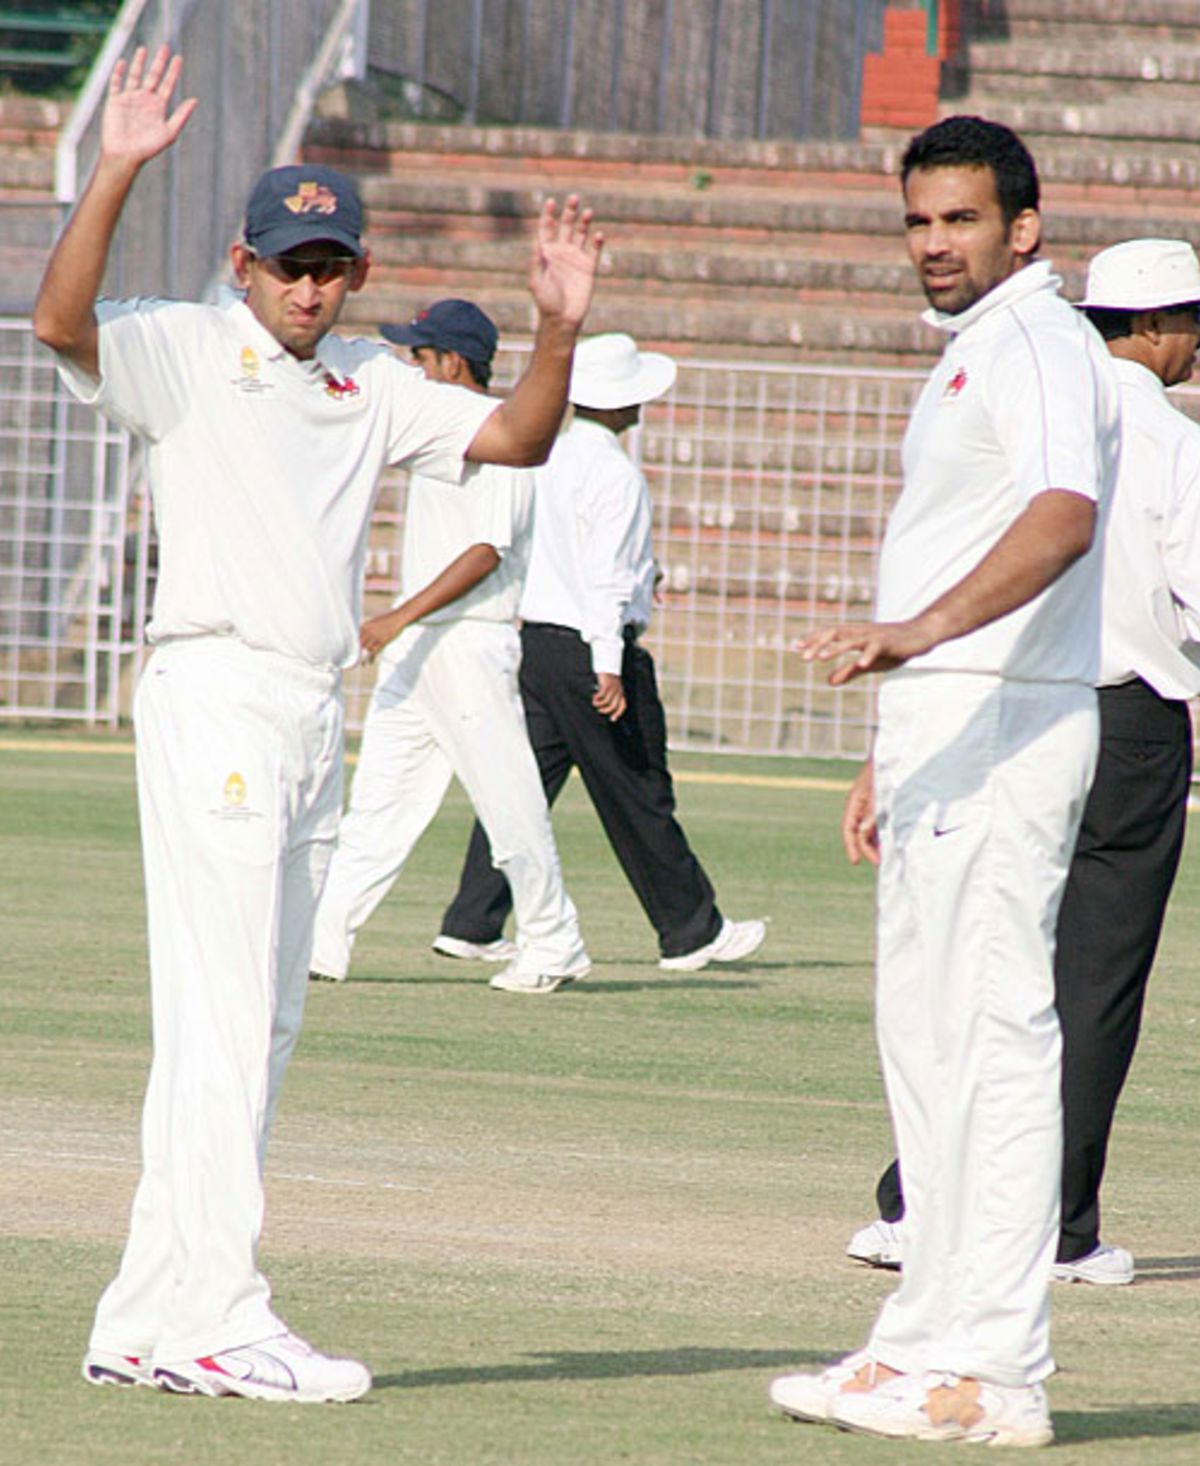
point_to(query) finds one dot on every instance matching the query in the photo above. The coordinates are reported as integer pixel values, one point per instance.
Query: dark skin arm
(136, 126)
(562, 277)
(463, 574)
(1053, 531)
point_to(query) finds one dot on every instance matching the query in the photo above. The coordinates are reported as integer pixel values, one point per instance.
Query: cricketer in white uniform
(989, 613)
(446, 700)
(265, 437)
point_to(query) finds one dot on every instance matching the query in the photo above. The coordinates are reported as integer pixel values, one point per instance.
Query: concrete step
(1089, 59)
(1122, 120)
(1174, 18)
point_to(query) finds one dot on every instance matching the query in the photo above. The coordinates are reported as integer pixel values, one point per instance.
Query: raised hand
(137, 125)
(566, 254)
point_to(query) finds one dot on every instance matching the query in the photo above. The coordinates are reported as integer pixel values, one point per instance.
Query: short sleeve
(432, 424)
(501, 505)
(1047, 409)
(142, 383)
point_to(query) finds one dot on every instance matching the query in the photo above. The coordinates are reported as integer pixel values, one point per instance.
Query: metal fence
(770, 486)
(697, 68)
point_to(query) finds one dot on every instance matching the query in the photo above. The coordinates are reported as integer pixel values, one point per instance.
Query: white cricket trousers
(980, 784)
(239, 788)
(446, 703)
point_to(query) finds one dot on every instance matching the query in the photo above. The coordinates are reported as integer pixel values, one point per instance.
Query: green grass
(582, 1229)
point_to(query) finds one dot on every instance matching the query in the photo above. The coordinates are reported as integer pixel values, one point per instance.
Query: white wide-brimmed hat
(610, 371)
(1143, 275)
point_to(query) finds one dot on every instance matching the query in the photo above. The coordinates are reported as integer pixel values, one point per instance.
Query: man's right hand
(135, 126)
(609, 697)
(860, 833)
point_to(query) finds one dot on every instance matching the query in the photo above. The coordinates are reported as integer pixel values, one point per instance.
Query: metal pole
(567, 105)
(664, 67)
(476, 58)
(765, 36)
(422, 54)
(614, 89)
(714, 52)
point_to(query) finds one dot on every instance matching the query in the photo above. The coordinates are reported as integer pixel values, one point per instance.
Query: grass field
(581, 1229)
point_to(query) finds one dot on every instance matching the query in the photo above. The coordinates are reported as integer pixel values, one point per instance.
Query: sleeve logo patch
(955, 385)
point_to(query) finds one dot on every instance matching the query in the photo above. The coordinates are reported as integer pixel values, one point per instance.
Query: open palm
(566, 253)
(137, 122)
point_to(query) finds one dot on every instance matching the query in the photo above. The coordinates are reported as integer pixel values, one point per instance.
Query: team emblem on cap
(312, 198)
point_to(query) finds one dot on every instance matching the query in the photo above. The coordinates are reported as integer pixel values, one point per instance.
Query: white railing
(771, 484)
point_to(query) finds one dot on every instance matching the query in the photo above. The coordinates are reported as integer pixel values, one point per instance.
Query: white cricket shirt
(492, 506)
(1151, 603)
(592, 565)
(1023, 400)
(263, 468)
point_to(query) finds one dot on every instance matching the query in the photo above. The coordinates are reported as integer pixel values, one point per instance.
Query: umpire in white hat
(589, 688)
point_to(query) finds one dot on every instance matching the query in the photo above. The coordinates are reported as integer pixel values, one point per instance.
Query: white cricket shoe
(102, 1368)
(735, 940)
(1107, 1267)
(315, 976)
(501, 950)
(1007, 1415)
(809, 1396)
(282, 1368)
(519, 977)
(879, 1243)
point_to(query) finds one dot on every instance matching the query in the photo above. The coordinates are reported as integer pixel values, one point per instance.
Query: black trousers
(624, 769)
(1112, 913)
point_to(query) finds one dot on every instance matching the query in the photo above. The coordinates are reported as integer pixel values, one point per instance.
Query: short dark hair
(1113, 325)
(974, 142)
(481, 371)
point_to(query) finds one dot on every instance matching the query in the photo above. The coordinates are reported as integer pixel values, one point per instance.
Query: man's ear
(241, 257)
(362, 268)
(1025, 232)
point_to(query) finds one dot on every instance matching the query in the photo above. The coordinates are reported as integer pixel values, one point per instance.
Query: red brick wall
(900, 85)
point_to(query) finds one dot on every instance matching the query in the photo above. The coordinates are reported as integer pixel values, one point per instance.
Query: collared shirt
(492, 506)
(263, 468)
(1023, 400)
(592, 566)
(1151, 616)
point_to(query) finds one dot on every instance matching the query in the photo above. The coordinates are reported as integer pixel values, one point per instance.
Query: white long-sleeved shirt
(1151, 605)
(592, 565)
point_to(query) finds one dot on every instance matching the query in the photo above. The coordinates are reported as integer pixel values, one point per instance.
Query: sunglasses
(322, 269)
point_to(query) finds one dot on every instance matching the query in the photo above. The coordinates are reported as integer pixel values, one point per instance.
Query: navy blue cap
(302, 204)
(449, 325)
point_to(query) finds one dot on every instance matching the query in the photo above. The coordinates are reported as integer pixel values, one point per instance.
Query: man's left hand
(566, 254)
(879, 646)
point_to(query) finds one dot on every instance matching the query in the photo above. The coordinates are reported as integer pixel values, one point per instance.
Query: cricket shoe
(102, 1368)
(315, 976)
(878, 1243)
(1106, 1267)
(282, 1368)
(810, 1396)
(501, 950)
(519, 977)
(735, 940)
(934, 1407)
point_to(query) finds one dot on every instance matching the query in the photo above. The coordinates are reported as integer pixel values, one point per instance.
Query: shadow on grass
(1167, 1269)
(1125, 1422)
(565, 1365)
(731, 975)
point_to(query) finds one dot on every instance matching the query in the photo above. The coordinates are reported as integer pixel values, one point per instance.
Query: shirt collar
(1134, 374)
(1019, 285)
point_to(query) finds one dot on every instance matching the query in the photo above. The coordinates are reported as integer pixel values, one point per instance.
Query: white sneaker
(315, 976)
(1010, 1416)
(519, 978)
(283, 1368)
(735, 940)
(809, 1396)
(878, 1243)
(1107, 1267)
(501, 950)
(102, 1368)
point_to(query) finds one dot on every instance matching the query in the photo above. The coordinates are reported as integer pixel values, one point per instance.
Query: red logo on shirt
(956, 383)
(340, 390)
